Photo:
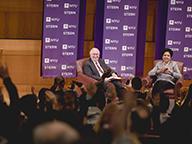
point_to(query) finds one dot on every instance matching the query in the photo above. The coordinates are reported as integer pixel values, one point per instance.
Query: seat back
(80, 64)
(81, 77)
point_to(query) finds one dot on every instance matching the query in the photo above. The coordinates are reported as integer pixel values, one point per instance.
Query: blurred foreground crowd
(95, 114)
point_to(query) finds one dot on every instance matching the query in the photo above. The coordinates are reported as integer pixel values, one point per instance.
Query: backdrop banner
(119, 35)
(60, 38)
(179, 33)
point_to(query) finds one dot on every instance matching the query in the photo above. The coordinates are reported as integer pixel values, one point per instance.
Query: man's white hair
(93, 49)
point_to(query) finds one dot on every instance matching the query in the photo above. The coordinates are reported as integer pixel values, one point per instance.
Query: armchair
(148, 81)
(81, 77)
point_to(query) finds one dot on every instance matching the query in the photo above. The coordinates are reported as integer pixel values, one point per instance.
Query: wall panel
(151, 16)
(23, 60)
(21, 19)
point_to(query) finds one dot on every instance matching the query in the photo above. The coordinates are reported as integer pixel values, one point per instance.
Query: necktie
(99, 68)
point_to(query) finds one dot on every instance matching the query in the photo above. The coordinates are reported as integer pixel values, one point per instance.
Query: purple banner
(120, 35)
(60, 38)
(179, 33)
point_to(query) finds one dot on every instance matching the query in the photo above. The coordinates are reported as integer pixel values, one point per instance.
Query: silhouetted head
(28, 103)
(91, 89)
(136, 83)
(55, 132)
(70, 100)
(59, 81)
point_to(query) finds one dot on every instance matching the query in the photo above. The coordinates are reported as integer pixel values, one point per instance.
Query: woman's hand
(168, 71)
(162, 70)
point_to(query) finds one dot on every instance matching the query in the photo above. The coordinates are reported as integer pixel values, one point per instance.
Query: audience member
(58, 117)
(136, 84)
(9, 113)
(55, 132)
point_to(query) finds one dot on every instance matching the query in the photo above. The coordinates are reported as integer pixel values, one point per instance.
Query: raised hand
(4, 71)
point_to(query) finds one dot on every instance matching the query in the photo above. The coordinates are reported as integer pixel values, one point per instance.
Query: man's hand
(3, 71)
(114, 75)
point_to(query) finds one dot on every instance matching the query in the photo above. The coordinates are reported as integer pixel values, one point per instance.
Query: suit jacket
(90, 69)
(172, 65)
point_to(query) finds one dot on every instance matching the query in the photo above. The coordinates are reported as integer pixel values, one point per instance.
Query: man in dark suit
(96, 68)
